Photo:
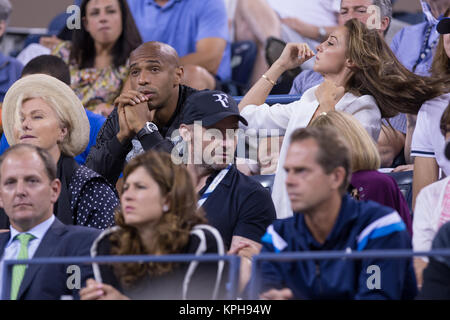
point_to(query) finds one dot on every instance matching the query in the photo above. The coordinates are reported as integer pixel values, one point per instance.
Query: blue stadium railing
(234, 262)
(276, 98)
(333, 255)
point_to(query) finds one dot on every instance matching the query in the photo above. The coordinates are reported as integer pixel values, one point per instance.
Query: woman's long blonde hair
(364, 153)
(377, 72)
(171, 233)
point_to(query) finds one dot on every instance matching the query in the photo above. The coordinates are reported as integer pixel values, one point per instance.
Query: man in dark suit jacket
(28, 190)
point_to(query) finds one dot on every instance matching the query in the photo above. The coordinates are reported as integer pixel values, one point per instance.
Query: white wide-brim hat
(67, 102)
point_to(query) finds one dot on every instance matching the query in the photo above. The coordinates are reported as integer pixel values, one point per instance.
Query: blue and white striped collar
(347, 214)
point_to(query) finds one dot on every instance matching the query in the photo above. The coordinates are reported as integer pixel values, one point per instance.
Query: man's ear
(55, 186)
(185, 133)
(179, 73)
(337, 178)
(385, 24)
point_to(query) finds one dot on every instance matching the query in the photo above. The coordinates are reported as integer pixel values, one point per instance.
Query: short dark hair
(47, 160)
(83, 49)
(48, 64)
(333, 150)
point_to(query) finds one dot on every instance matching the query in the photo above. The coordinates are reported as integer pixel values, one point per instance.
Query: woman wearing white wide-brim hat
(43, 111)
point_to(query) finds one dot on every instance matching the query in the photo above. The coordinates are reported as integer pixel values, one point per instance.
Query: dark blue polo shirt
(239, 206)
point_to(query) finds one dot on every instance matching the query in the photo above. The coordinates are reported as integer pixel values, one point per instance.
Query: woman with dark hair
(362, 77)
(99, 51)
(158, 216)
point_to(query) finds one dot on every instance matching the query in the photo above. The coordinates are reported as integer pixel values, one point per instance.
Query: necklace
(426, 49)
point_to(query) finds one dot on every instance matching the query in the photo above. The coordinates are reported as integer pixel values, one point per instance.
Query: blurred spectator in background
(366, 182)
(36, 45)
(432, 207)
(10, 68)
(290, 20)
(427, 145)
(415, 46)
(197, 29)
(98, 53)
(158, 216)
(436, 277)
(43, 111)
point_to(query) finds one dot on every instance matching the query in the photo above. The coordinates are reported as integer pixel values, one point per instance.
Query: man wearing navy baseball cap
(239, 207)
(218, 114)
(210, 107)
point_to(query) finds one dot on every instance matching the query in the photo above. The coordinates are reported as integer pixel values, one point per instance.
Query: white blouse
(289, 117)
(427, 212)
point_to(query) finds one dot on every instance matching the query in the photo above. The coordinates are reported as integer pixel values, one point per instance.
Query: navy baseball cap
(443, 26)
(210, 107)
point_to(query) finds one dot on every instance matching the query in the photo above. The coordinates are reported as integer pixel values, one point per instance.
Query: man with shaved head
(145, 116)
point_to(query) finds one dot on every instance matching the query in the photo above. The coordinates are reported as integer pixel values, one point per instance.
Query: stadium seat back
(265, 180)
(404, 181)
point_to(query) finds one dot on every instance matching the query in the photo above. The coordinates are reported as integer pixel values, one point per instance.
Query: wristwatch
(149, 128)
(322, 34)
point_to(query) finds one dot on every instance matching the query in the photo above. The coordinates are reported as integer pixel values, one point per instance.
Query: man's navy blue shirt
(239, 206)
(361, 225)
